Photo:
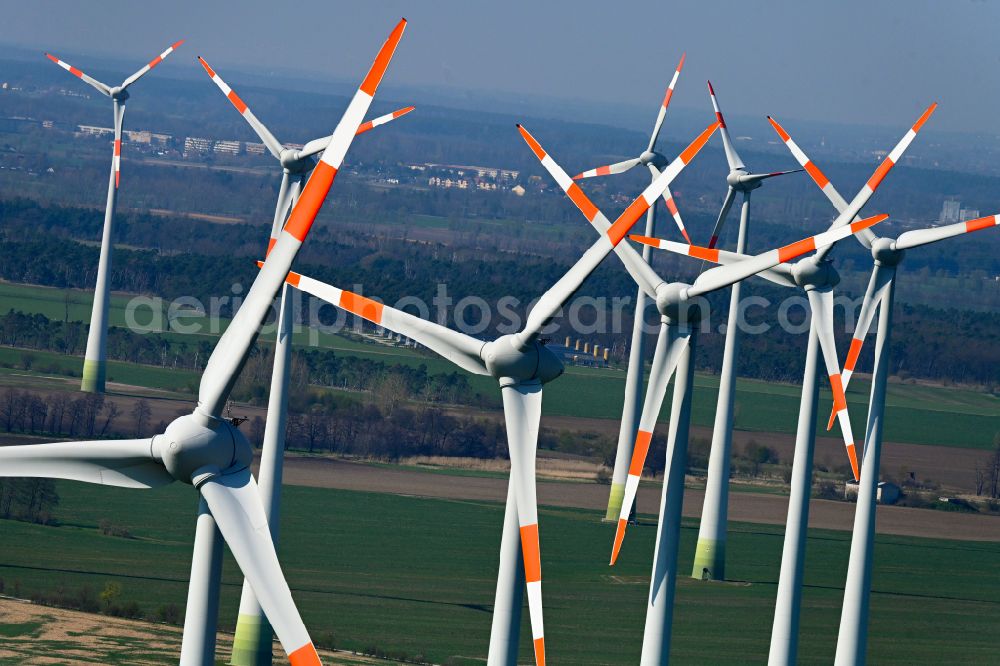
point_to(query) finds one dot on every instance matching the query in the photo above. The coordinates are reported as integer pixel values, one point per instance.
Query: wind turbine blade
(732, 157)
(810, 167)
(723, 276)
(102, 88)
(273, 145)
(661, 114)
(780, 274)
(821, 304)
(869, 306)
(116, 159)
(553, 299)
(126, 463)
(757, 177)
(319, 145)
(238, 511)
(636, 266)
(617, 167)
(459, 348)
(721, 220)
(918, 237)
(151, 64)
(849, 212)
(668, 198)
(233, 347)
(522, 408)
(670, 344)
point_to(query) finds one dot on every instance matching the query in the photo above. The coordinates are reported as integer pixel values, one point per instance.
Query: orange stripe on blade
(305, 656)
(642, 439)
(585, 205)
(237, 102)
(839, 399)
(779, 129)
(270, 245)
(697, 144)
(853, 353)
(536, 147)
(708, 254)
(118, 146)
(852, 453)
(155, 61)
(363, 307)
(532, 554)
(619, 537)
(539, 651)
(672, 206)
(75, 72)
(980, 223)
(211, 72)
(625, 221)
(305, 211)
(923, 119)
(880, 173)
(719, 119)
(381, 63)
(293, 278)
(666, 98)
(364, 127)
(796, 249)
(602, 171)
(817, 175)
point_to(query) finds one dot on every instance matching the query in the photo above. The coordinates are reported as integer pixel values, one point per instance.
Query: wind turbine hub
(811, 273)
(507, 357)
(884, 254)
(292, 162)
(673, 303)
(740, 180)
(656, 159)
(188, 446)
(118, 93)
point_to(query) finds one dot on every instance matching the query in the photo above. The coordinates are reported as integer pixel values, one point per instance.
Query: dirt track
(743, 507)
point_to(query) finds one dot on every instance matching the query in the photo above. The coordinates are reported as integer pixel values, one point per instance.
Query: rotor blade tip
(619, 536)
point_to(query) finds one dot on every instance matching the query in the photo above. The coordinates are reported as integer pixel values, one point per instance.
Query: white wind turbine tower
(679, 309)
(887, 253)
(633, 379)
(206, 450)
(522, 365)
(252, 640)
(817, 277)
(710, 552)
(94, 370)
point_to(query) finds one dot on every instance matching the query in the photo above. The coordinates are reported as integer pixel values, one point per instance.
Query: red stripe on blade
(536, 147)
(305, 656)
(817, 175)
(237, 102)
(625, 221)
(980, 223)
(585, 205)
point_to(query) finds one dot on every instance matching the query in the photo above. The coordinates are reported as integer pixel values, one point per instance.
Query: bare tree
(111, 412)
(140, 416)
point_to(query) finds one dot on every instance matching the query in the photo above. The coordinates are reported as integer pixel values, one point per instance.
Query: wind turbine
(252, 639)
(206, 450)
(887, 254)
(679, 313)
(521, 364)
(633, 379)
(817, 277)
(710, 551)
(94, 361)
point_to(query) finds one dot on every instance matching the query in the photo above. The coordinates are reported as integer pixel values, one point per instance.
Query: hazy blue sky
(852, 61)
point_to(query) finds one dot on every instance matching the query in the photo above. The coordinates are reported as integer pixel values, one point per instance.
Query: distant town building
(193, 144)
(228, 147)
(887, 493)
(254, 148)
(518, 190)
(951, 211)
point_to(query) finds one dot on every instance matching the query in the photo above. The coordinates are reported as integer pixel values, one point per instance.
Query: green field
(917, 414)
(417, 576)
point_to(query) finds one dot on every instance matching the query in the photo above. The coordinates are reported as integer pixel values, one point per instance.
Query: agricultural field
(414, 577)
(916, 413)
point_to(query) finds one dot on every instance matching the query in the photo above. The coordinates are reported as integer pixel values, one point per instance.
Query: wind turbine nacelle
(293, 163)
(188, 446)
(743, 181)
(811, 273)
(506, 357)
(656, 159)
(884, 254)
(673, 303)
(119, 93)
